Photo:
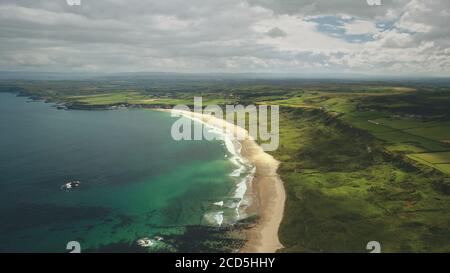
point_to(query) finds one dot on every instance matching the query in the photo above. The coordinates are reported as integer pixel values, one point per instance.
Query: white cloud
(219, 35)
(300, 36)
(393, 39)
(360, 27)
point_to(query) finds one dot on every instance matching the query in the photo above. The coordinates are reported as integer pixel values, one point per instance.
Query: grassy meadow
(345, 190)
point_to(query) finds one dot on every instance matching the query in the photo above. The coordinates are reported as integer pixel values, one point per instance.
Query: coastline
(266, 186)
(271, 196)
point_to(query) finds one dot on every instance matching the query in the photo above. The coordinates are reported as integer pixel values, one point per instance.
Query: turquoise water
(136, 181)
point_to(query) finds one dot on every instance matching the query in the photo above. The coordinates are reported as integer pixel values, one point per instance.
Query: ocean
(136, 181)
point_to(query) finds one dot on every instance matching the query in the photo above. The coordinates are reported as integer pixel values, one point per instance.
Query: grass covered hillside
(344, 190)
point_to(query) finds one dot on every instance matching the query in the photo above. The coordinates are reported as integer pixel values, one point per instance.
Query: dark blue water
(136, 181)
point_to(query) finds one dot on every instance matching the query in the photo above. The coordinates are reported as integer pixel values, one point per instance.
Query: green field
(340, 195)
(434, 158)
(134, 98)
(444, 167)
(440, 161)
(406, 123)
(399, 137)
(112, 98)
(438, 133)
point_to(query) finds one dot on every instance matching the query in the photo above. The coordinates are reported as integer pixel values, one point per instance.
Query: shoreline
(266, 186)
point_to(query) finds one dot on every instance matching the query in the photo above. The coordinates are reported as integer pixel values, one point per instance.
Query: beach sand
(269, 189)
(266, 186)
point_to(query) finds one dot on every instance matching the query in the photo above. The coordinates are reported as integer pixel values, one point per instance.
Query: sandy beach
(266, 186)
(269, 189)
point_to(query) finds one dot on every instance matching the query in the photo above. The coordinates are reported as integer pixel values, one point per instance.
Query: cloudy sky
(295, 36)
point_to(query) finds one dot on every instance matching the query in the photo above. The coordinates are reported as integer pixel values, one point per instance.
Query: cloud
(403, 36)
(394, 39)
(276, 32)
(360, 27)
(359, 8)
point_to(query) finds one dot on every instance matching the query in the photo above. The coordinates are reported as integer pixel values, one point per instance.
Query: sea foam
(215, 218)
(243, 174)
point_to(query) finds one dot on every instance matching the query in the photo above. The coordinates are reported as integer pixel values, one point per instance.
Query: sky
(399, 37)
